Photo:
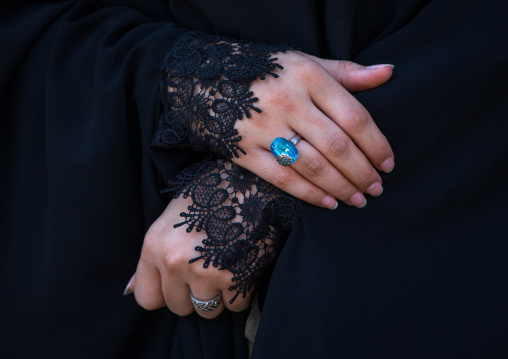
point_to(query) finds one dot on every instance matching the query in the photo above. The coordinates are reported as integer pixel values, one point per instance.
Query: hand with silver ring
(230, 226)
(341, 148)
(165, 278)
(212, 107)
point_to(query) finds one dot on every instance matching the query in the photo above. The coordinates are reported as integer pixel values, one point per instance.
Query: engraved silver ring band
(208, 305)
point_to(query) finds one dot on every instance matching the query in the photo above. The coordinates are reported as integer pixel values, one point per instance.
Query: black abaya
(420, 272)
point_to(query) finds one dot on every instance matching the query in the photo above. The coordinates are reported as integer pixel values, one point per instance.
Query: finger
(355, 77)
(205, 288)
(236, 302)
(176, 292)
(265, 165)
(336, 146)
(208, 297)
(147, 286)
(204, 283)
(315, 168)
(352, 118)
(313, 165)
(176, 273)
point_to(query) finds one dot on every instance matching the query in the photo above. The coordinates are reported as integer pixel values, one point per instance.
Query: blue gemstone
(285, 152)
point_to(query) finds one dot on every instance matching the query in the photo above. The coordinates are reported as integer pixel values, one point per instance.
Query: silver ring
(285, 150)
(295, 139)
(206, 305)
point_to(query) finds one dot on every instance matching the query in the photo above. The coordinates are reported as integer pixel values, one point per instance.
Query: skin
(341, 149)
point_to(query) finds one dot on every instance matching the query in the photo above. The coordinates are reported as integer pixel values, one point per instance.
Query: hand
(235, 221)
(164, 275)
(341, 144)
(211, 86)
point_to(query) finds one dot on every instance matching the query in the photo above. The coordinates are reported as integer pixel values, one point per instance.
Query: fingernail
(373, 67)
(358, 200)
(330, 202)
(128, 290)
(387, 165)
(375, 189)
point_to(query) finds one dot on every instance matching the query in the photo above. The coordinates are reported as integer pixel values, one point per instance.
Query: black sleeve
(79, 91)
(88, 77)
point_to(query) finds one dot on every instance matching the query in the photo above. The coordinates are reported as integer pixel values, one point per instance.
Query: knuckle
(344, 190)
(175, 261)
(337, 144)
(343, 66)
(148, 252)
(315, 121)
(151, 241)
(150, 237)
(282, 179)
(383, 149)
(366, 177)
(346, 194)
(312, 194)
(312, 165)
(357, 119)
(307, 69)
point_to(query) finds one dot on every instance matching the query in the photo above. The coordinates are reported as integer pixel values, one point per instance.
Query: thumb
(354, 77)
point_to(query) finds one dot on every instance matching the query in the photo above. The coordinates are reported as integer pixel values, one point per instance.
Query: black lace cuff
(246, 220)
(205, 89)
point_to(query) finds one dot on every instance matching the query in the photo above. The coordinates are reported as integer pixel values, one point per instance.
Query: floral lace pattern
(205, 90)
(246, 219)
(205, 86)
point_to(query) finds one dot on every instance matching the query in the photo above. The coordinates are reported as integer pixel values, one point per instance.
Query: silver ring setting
(285, 150)
(295, 139)
(206, 305)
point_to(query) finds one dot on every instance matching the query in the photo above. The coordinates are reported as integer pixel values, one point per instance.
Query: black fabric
(420, 272)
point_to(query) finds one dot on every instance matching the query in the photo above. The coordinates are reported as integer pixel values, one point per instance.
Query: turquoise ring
(285, 150)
